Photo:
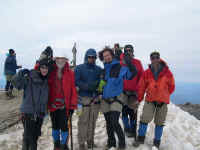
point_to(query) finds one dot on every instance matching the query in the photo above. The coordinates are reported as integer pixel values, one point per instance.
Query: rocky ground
(193, 109)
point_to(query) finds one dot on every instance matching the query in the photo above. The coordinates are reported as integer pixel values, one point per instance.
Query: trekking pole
(71, 132)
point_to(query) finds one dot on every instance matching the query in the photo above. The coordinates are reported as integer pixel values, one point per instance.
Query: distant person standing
(117, 51)
(157, 83)
(10, 68)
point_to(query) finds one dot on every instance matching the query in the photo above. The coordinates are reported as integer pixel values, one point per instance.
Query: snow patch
(181, 132)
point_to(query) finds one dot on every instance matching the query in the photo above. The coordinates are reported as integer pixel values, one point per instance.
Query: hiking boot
(56, 145)
(140, 140)
(64, 147)
(121, 147)
(107, 147)
(156, 143)
(82, 147)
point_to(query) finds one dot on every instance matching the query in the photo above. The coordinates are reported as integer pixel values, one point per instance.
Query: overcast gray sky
(170, 26)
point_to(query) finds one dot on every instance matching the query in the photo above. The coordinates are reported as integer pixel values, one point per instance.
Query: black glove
(25, 72)
(71, 111)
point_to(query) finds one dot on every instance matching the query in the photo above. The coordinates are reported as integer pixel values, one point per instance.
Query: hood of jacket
(89, 52)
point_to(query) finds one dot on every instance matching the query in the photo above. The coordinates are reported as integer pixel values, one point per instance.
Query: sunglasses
(92, 57)
(155, 57)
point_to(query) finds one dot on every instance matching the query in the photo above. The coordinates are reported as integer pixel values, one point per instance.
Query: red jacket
(132, 85)
(157, 90)
(69, 89)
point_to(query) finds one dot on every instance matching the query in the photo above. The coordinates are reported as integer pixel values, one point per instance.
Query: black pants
(9, 86)
(59, 120)
(113, 126)
(32, 131)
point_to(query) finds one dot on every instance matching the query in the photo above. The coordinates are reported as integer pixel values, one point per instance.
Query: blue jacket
(114, 76)
(10, 65)
(87, 75)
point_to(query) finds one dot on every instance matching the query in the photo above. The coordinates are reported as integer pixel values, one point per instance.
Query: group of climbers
(116, 89)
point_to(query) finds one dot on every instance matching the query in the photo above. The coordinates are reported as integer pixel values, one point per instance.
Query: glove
(71, 111)
(25, 72)
(101, 86)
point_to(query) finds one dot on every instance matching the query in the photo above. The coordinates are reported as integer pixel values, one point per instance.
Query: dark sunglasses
(92, 57)
(155, 57)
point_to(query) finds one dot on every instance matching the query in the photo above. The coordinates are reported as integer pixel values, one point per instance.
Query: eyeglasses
(155, 57)
(92, 57)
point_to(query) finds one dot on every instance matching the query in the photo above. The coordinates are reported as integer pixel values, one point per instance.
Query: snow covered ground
(182, 132)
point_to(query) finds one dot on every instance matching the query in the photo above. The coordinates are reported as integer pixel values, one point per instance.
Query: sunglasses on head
(155, 57)
(92, 57)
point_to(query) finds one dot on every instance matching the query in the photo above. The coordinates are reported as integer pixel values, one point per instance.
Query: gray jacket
(39, 91)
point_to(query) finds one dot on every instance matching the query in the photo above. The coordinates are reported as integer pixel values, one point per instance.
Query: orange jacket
(156, 90)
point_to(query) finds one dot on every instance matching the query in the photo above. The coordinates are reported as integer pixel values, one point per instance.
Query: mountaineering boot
(82, 146)
(56, 145)
(140, 140)
(64, 147)
(107, 147)
(156, 143)
(142, 133)
(121, 147)
(91, 144)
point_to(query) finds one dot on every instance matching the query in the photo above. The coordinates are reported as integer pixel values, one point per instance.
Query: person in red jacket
(62, 101)
(158, 84)
(130, 92)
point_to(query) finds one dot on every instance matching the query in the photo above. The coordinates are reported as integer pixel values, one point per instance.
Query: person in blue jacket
(113, 100)
(10, 68)
(87, 77)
